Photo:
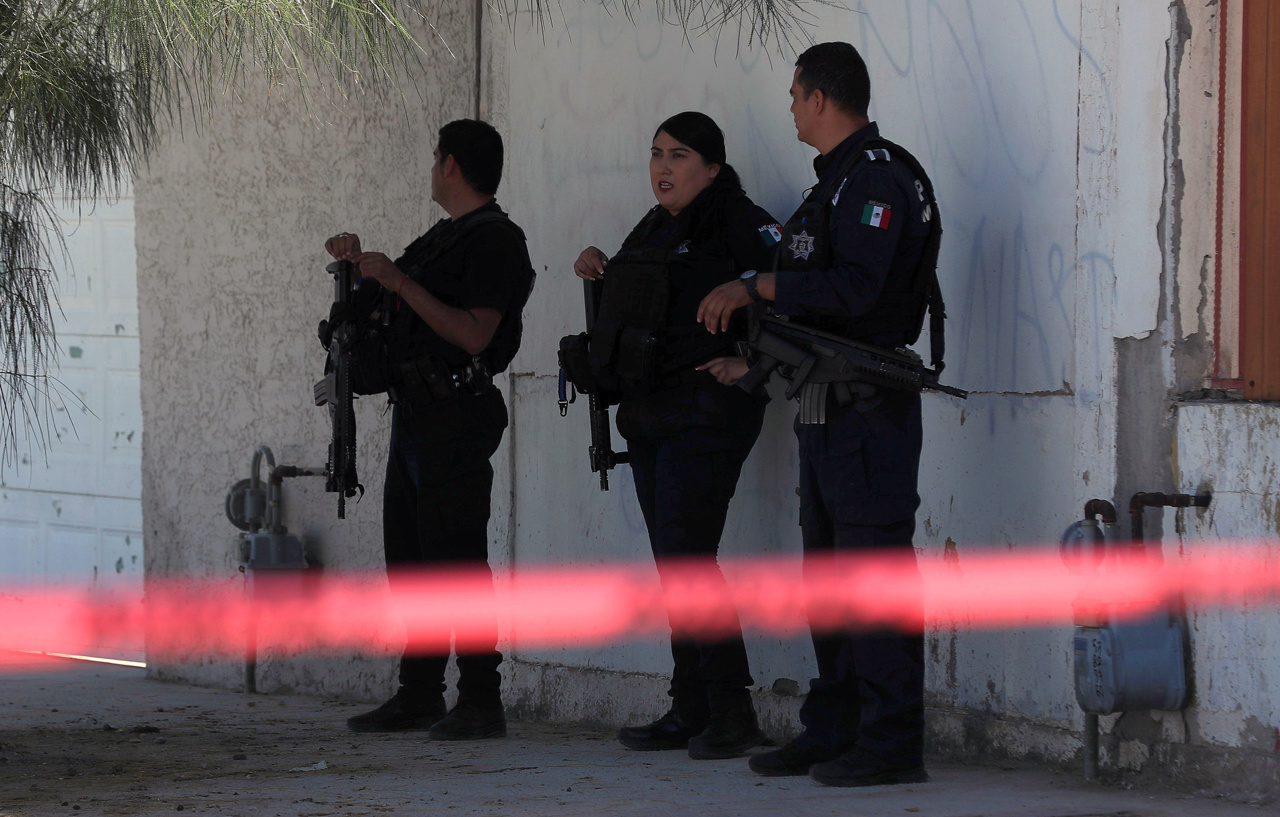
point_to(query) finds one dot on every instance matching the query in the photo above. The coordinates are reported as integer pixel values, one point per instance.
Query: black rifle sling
(925, 294)
(460, 230)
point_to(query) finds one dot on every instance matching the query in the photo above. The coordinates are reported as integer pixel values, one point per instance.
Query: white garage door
(73, 514)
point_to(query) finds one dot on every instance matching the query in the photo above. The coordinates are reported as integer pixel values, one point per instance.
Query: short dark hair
(477, 148)
(838, 70)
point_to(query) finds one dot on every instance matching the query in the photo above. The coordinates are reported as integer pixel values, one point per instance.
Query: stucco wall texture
(1046, 130)
(232, 284)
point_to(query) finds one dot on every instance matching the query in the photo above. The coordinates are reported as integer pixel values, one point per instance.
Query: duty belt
(427, 380)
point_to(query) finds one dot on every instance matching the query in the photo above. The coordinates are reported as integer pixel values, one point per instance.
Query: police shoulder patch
(771, 234)
(877, 214)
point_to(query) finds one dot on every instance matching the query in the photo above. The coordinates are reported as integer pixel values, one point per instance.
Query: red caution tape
(300, 611)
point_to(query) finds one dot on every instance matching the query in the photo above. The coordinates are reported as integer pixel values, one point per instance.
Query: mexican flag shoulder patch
(771, 234)
(877, 214)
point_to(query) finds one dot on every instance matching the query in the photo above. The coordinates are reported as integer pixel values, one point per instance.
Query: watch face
(748, 274)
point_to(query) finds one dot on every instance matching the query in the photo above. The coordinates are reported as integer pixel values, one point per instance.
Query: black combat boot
(858, 767)
(671, 731)
(730, 733)
(471, 720)
(405, 710)
(795, 758)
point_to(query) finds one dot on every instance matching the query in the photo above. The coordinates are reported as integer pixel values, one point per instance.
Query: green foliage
(784, 23)
(85, 84)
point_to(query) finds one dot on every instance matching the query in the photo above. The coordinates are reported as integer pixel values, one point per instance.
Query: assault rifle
(603, 457)
(818, 358)
(334, 389)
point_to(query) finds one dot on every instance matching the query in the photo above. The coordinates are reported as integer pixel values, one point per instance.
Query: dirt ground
(99, 740)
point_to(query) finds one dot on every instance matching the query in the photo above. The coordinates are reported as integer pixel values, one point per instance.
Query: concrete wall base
(1242, 775)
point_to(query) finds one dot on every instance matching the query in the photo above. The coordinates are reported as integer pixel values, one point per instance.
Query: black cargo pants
(436, 513)
(687, 448)
(858, 492)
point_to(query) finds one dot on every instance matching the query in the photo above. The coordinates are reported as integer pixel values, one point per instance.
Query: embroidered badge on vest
(802, 246)
(683, 248)
(771, 234)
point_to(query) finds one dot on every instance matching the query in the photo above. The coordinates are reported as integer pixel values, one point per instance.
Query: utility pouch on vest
(622, 346)
(634, 356)
(371, 365)
(368, 361)
(635, 293)
(574, 360)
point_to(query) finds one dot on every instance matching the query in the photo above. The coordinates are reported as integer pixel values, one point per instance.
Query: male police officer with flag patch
(858, 260)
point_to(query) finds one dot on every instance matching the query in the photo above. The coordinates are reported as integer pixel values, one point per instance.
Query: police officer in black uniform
(687, 430)
(853, 262)
(455, 298)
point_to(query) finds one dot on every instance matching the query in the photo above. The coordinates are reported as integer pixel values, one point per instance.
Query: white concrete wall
(1231, 450)
(1047, 131)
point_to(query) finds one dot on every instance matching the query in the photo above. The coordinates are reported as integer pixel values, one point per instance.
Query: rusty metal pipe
(1141, 501)
(1090, 746)
(1100, 507)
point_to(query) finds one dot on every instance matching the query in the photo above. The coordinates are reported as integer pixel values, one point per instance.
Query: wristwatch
(748, 280)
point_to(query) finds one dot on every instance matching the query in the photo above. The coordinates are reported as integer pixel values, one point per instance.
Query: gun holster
(421, 382)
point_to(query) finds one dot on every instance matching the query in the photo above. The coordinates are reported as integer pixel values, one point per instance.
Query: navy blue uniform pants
(858, 475)
(436, 513)
(687, 447)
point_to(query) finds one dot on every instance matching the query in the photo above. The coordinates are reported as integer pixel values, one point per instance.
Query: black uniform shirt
(486, 268)
(877, 227)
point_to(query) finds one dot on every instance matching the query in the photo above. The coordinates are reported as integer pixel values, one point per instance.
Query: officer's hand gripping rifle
(334, 389)
(819, 357)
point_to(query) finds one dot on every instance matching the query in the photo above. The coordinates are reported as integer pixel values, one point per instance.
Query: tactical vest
(806, 245)
(412, 333)
(633, 348)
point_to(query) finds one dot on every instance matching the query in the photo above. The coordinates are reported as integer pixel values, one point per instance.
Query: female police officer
(687, 433)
